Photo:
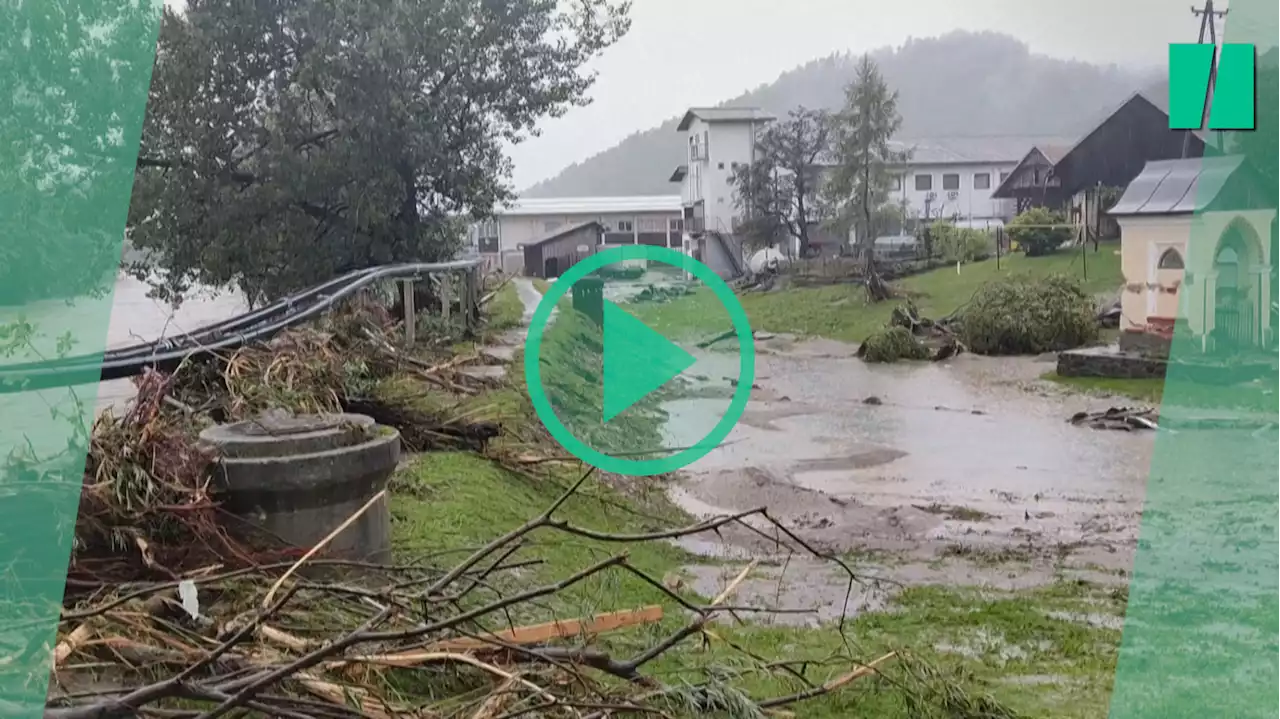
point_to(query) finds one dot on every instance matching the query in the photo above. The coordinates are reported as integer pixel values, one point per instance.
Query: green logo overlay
(621, 364)
(1234, 91)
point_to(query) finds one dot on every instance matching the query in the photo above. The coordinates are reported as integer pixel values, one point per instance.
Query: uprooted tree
(287, 142)
(859, 185)
(777, 193)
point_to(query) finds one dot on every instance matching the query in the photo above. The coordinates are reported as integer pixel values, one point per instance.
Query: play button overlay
(637, 360)
(616, 392)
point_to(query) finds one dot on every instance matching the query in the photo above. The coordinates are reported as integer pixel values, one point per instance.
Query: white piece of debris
(190, 600)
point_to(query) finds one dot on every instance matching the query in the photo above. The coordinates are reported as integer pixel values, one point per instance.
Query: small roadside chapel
(1197, 239)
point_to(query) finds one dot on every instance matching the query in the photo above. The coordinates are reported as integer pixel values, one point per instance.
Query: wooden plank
(538, 633)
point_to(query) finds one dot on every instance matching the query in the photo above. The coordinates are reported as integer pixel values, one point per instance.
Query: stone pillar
(1208, 308)
(1262, 302)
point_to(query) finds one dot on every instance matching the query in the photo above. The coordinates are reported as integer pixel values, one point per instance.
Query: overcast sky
(682, 53)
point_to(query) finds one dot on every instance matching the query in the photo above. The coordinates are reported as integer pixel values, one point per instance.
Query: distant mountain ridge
(961, 84)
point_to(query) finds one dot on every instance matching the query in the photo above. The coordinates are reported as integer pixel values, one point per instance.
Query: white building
(954, 178)
(648, 220)
(718, 140)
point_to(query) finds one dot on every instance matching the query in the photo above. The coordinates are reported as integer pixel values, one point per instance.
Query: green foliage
(892, 344)
(1029, 316)
(859, 185)
(778, 191)
(961, 244)
(289, 141)
(1033, 237)
(63, 73)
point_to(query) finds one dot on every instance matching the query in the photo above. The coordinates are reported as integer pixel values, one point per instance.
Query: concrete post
(410, 314)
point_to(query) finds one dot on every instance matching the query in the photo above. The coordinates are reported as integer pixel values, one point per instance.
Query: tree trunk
(877, 290)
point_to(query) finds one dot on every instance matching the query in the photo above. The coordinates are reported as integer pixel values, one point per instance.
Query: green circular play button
(592, 369)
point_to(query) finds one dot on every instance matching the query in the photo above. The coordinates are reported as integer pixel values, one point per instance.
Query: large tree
(289, 140)
(777, 192)
(859, 184)
(64, 69)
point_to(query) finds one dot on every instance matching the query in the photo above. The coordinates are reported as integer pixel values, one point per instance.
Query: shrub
(1029, 231)
(892, 344)
(961, 244)
(1024, 316)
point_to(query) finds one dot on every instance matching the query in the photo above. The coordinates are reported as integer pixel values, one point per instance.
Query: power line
(1208, 26)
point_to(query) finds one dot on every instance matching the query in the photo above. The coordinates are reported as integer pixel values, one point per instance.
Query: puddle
(949, 454)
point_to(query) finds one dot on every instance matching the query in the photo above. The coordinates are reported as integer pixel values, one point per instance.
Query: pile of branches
(1029, 316)
(341, 365)
(912, 336)
(147, 509)
(145, 505)
(271, 642)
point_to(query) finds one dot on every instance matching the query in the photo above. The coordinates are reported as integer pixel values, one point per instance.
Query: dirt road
(963, 472)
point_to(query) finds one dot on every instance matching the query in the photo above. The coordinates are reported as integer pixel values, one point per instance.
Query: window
(550, 226)
(1004, 175)
(488, 229)
(1170, 260)
(982, 180)
(895, 183)
(488, 245)
(951, 181)
(677, 224)
(625, 226)
(651, 224)
(924, 182)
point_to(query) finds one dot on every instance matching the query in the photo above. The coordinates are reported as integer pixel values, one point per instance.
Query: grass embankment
(1261, 399)
(841, 312)
(1002, 644)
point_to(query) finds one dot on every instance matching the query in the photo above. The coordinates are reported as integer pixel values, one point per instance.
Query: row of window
(645, 224)
(950, 181)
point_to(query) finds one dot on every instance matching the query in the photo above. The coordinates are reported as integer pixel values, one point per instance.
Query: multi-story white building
(954, 178)
(646, 220)
(718, 140)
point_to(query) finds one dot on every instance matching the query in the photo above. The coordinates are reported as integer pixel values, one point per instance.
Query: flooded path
(960, 472)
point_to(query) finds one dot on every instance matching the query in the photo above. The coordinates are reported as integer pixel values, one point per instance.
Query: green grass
(988, 642)
(1145, 390)
(841, 312)
(505, 310)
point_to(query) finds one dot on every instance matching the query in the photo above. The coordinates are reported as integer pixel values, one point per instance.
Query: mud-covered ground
(964, 472)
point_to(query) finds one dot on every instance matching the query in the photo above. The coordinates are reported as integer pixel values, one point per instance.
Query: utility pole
(1208, 26)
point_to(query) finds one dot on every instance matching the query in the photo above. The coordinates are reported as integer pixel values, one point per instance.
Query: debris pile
(911, 336)
(267, 641)
(1028, 316)
(1126, 419)
(662, 293)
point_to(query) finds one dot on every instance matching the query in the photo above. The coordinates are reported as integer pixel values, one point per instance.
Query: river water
(133, 318)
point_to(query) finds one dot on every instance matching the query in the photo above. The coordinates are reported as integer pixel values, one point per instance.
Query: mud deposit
(949, 473)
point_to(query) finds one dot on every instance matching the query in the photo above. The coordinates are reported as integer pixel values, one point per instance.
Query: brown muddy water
(134, 318)
(960, 472)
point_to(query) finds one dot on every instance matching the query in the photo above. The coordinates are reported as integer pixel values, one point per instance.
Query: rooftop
(723, 114)
(975, 150)
(1175, 187)
(592, 206)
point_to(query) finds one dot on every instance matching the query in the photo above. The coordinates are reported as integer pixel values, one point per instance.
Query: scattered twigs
(399, 619)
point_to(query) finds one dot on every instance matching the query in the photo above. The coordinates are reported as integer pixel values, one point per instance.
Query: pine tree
(859, 185)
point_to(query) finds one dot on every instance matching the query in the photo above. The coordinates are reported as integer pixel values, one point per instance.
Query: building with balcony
(718, 141)
(646, 220)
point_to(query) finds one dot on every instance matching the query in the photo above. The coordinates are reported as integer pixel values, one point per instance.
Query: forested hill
(960, 84)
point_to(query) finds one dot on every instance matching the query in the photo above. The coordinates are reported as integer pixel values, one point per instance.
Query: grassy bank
(989, 648)
(1260, 399)
(841, 311)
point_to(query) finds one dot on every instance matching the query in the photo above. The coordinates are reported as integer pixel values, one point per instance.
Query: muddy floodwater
(960, 472)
